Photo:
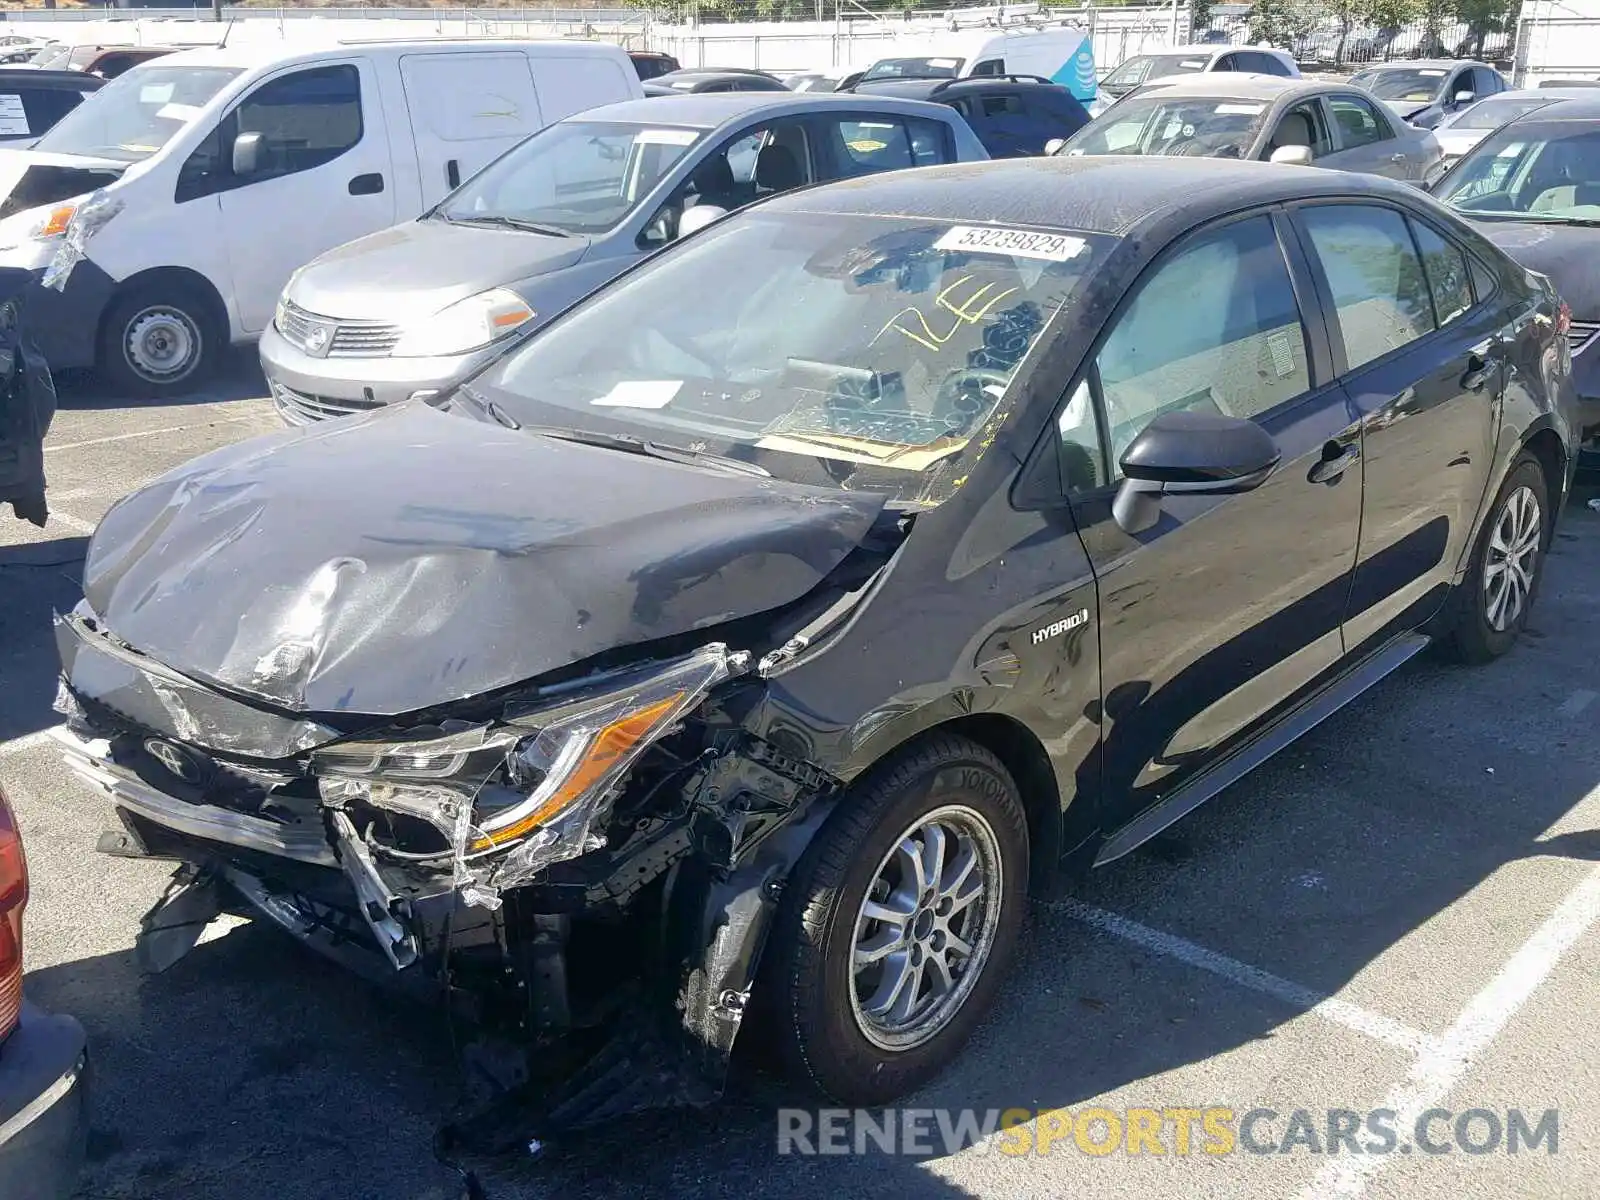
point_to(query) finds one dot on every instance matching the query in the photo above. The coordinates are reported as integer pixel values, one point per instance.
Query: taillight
(13, 899)
(1563, 320)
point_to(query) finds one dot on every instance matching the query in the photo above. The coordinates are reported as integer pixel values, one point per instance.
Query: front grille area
(363, 339)
(349, 339)
(1581, 333)
(302, 408)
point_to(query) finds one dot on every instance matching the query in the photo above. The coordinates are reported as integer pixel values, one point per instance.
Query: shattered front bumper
(318, 883)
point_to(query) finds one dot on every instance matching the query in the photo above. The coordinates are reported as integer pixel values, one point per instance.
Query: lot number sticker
(1019, 243)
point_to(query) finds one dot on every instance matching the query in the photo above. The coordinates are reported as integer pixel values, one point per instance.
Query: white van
(1063, 54)
(171, 208)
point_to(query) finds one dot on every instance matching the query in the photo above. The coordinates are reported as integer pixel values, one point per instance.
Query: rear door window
(867, 145)
(1359, 123)
(1449, 277)
(1379, 289)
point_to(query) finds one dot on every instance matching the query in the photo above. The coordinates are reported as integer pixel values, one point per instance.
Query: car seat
(1294, 130)
(777, 170)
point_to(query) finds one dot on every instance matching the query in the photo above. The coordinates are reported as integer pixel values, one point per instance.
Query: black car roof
(77, 81)
(1096, 194)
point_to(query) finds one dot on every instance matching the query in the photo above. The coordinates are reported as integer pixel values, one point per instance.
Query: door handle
(1397, 158)
(452, 174)
(1336, 460)
(1480, 369)
(366, 185)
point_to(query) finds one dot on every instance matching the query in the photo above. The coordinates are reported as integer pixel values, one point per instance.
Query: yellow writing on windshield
(977, 305)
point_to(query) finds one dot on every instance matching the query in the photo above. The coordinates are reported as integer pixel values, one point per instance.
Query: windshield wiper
(489, 408)
(498, 221)
(631, 444)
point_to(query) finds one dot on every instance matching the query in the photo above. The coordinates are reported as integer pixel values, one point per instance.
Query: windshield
(840, 351)
(575, 176)
(810, 83)
(1491, 114)
(914, 68)
(136, 114)
(1154, 66)
(1413, 84)
(1547, 171)
(1202, 127)
(52, 57)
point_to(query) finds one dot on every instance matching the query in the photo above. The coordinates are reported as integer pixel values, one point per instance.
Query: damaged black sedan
(747, 644)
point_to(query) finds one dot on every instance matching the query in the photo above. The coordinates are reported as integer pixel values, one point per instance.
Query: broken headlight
(515, 795)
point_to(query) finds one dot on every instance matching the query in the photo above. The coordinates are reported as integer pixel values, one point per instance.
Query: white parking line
(1441, 1066)
(139, 433)
(1330, 1008)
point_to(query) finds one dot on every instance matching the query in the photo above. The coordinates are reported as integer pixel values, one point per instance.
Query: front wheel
(159, 341)
(898, 924)
(1490, 608)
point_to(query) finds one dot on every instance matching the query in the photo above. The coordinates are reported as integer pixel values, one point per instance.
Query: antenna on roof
(222, 42)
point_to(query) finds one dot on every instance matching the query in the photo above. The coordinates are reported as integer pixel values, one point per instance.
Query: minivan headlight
(466, 325)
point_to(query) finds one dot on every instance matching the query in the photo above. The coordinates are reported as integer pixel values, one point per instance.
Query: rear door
(324, 177)
(1422, 362)
(1229, 607)
(1365, 139)
(466, 108)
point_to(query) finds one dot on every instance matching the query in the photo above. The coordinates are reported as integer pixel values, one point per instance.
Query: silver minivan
(416, 308)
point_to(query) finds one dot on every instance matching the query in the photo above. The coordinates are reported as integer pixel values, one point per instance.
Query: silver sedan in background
(1264, 117)
(1463, 130)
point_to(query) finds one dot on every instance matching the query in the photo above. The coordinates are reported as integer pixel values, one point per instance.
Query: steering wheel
(962, 398)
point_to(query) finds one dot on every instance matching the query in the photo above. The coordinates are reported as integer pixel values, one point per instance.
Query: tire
(1481, 625)
(826, 1041)
(159, 340)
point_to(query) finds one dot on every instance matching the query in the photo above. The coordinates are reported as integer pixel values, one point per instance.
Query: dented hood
(388, 563)
(31, 178)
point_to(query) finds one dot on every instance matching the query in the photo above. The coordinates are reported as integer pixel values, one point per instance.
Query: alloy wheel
(1512, 558)
(926, 928)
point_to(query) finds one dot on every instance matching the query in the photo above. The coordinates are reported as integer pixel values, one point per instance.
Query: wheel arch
(1546, 446)
(185, 278)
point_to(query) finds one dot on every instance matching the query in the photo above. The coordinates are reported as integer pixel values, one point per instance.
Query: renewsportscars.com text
(1174, 1131)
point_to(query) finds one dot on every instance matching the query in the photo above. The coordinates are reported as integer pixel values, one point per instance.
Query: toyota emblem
(174, 759)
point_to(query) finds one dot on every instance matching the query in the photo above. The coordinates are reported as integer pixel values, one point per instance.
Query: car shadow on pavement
(238, 377)
(37, 580)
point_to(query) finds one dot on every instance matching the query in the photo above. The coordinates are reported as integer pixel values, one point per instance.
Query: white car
(1461, 131)
(1191, 60)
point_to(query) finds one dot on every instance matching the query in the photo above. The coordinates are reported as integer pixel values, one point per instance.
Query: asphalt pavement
(1396, 914)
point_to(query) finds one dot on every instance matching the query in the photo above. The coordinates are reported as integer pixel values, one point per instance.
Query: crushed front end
(559, 864)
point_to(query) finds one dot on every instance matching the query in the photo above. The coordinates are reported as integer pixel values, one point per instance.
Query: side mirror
(698, 217)
(1053, 146)
(247, 153)
(1194, 452)
(1295, 156)
(1465, 97)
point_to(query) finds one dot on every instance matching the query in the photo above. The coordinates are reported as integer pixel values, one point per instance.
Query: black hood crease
(392, 562)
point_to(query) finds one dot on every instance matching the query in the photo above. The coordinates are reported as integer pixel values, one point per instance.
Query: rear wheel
(159, 340)
(898, 924)
(1490, 608)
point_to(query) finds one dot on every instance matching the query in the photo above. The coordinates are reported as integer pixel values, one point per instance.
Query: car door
(1365, 139)
(1420, 358)
(323, 178)
(466, 109)
(1230, 606)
